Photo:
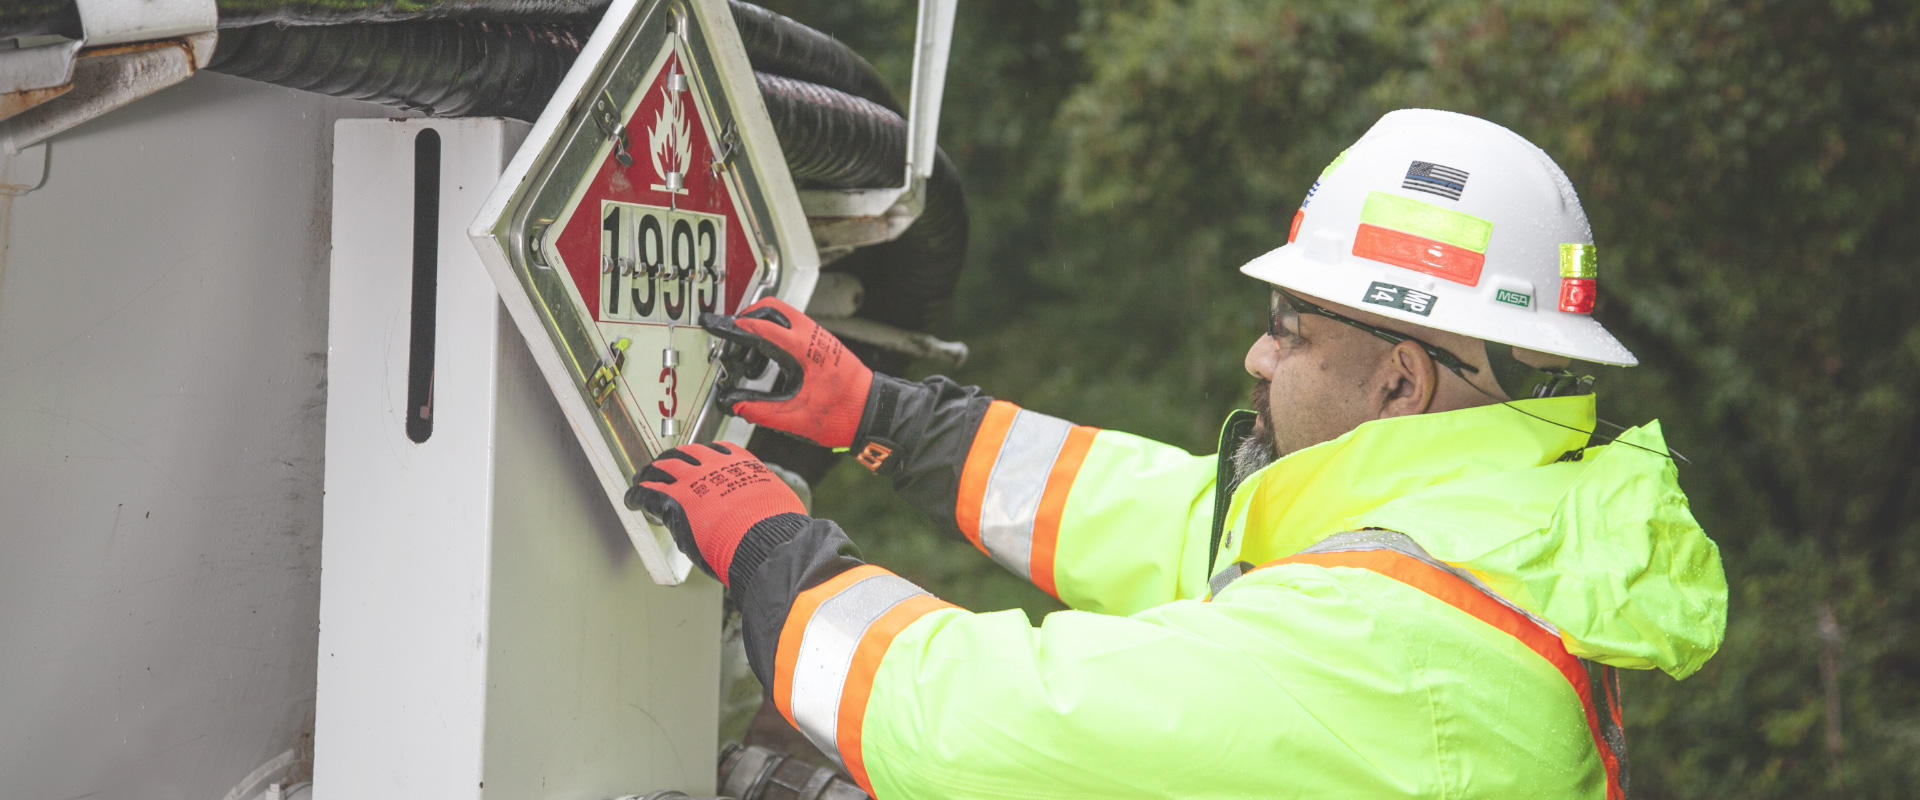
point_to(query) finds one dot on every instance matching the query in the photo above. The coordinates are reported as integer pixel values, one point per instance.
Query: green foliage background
(1746, 168)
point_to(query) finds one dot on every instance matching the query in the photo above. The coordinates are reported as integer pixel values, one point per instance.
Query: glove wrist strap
(872, 442)
(759, 543)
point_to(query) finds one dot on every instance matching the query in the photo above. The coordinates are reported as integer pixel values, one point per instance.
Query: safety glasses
(1283, 324)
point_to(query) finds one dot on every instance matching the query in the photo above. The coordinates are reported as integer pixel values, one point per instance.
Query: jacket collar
(1314, 493)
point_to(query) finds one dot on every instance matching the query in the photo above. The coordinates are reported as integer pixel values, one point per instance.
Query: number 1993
(658, 264)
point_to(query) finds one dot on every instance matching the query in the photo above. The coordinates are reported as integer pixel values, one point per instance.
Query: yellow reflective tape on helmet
(1579, 261)
(1407, 215)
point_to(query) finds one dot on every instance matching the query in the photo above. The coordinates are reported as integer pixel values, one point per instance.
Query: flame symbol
(669, 139)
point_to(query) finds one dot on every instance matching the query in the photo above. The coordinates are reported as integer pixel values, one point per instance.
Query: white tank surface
(163, 334)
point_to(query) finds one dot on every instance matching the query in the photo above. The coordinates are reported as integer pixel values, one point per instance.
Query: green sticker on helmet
(1333, 165)
(1427, 220)
(1512, 297)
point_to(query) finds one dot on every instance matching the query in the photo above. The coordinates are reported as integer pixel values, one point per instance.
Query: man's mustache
(1258, 397)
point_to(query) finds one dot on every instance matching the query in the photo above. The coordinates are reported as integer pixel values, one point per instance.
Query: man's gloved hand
(726, 510)
(827, 386)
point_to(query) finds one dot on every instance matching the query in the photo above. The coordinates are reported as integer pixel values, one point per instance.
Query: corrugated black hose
(833, 139)
(460, 69)
(242, 13)
(447, 69)
(779, 45)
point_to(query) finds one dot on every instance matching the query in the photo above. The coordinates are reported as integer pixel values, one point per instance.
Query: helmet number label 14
(1401, 298)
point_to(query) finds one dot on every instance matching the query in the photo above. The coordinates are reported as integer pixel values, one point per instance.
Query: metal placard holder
(658, 126)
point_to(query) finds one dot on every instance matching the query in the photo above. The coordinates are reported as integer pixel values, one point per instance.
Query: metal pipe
(757, 773)
(882, 335)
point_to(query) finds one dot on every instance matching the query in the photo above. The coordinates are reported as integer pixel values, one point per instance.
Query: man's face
(1315, 383)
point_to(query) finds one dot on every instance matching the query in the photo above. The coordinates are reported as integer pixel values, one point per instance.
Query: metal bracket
(606, 116)
(118, 21)
(30, 76)
(843, 220)
(602, 381)
(131, 49)
(106, 78)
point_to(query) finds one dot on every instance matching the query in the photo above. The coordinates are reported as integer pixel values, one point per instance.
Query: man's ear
(1408, 379)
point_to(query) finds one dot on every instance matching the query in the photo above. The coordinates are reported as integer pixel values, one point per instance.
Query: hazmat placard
(650, 191)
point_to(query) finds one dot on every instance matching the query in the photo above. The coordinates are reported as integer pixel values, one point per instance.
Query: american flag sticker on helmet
(1426, 176)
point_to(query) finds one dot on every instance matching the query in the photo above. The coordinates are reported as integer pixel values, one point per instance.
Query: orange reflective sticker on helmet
(1419, 254)
(1293, 233)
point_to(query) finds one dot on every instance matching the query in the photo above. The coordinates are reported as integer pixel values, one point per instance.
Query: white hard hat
(1453, 223)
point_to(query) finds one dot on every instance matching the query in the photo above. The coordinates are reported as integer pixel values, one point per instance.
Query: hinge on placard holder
(606, 116)
(600, 384)
(729, 144)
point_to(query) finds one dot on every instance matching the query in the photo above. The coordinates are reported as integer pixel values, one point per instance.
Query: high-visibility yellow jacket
(1430, 608)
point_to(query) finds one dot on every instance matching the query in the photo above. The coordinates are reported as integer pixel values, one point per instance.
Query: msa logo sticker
(1511, 297)
(1400, 297)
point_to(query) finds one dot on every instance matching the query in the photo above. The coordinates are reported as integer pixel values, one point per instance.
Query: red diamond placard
(651, 190)
(655, 238)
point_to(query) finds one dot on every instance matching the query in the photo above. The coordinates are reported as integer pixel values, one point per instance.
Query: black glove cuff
(883, 402)
(873, 440)
(759, 543)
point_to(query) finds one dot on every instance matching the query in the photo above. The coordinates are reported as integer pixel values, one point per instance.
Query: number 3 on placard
(671, 405)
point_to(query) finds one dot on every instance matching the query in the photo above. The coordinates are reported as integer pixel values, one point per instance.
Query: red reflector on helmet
(1299, 215)
(1577, 294)
(1419, 254)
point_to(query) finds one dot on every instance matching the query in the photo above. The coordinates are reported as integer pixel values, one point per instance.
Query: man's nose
(1260, 357)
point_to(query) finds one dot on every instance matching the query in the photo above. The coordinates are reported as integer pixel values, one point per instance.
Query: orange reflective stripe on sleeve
(831, 646)
(859, 687)
(1013, 487)
(1053, 504)
(1452, 590)
(979, 467)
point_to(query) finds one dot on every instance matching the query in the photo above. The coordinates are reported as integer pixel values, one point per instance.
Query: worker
(1412, 574)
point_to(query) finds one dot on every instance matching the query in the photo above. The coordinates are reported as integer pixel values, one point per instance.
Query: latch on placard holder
(729, 143)
(606, 116)
(600, 385)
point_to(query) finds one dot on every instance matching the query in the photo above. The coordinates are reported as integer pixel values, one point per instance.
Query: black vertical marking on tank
(426, 283)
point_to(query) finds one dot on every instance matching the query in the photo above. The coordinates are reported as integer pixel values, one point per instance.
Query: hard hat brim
(1348, 280)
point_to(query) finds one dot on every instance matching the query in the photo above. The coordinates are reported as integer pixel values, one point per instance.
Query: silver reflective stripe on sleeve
(826, 653)
(1019, 478)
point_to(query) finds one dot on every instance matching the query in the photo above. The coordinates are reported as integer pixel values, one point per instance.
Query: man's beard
(1257, 450)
